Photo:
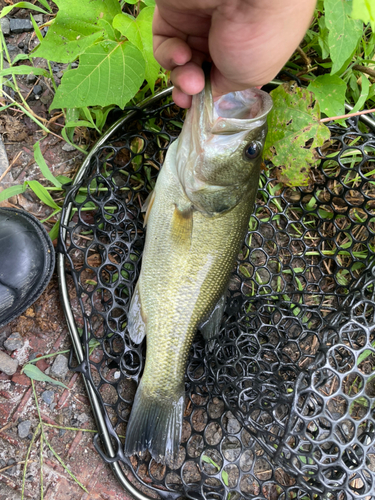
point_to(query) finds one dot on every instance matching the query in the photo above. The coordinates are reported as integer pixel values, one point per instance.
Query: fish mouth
(234, 113)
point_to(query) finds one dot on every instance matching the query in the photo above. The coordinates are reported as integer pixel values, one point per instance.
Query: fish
(196, 220)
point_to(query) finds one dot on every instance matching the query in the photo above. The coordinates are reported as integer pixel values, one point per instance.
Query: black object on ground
(27, 260)
(280, 406)
(20, 25)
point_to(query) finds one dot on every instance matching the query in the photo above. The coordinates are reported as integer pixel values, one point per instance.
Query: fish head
(220, 147)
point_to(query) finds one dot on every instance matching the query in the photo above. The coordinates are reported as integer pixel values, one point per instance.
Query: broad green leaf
(365, 11)
(53, 234)
(76, 28)
(34, 373)
(329, 91)
(22, 5)
(344, 32)
(24, 70)
(292, 123)
(149, 3)
(364, 94)
(108, 73)
(43, 165)
(109, 32)
(12, 191)
(42, 193)
(139, 32)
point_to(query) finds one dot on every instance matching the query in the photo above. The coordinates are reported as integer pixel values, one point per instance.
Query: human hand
(247, 41)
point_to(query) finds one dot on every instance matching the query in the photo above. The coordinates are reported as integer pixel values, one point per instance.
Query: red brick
(21, 379)
(42, 365)
(4, 376)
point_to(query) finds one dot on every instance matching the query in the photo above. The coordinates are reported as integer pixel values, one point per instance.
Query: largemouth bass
(197, 217)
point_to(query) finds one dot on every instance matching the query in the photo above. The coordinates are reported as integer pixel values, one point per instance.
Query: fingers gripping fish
(197, 217)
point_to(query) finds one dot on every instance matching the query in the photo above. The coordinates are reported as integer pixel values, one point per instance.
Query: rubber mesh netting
(280, 405)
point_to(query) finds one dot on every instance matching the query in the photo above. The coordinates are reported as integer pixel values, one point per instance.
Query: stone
(68, 147)
(83, 418)
(38, 89)
(20, 25)
(38, 18)
(4, 163)
(74, 65)
(13, 50)
(12, 470)
(60, 74)
(48, 397)
(60, 366)
(31, 78)
(3, 337)
(24, 429)
(14, 342)
(5, 26)
(8, 365)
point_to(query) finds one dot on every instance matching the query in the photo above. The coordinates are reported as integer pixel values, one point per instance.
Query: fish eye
(252, 150)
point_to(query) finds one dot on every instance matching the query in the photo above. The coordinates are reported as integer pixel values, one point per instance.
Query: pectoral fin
(147, 206)
(210, 327)
(136, 320)
(182, 226)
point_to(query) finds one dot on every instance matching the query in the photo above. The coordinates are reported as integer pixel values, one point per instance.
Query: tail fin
(155, 424)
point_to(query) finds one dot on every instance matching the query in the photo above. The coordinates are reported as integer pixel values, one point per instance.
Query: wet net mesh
(280, 405)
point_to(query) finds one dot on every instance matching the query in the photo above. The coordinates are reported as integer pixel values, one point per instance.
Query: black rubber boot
(27, 260)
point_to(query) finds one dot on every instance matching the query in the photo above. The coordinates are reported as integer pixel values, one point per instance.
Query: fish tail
(155, 424)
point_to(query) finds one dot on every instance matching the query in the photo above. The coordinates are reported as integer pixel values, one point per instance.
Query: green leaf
(323, 37)
(46, 356)
(292, 123)
(42, 193)
(76, 28)
(72, 115)
(63, 179)
(21, 57)
(108, 73)
(36, 29)
(149, 3)
(329, 91)
(53, 234)
(12, 191)
(344, 32)
(225, 477)
(43, 165)
(364, 94)
(24, 70)
(22, 5)
(365, 11)
(34, 373)
(109, 32)
(139, 32)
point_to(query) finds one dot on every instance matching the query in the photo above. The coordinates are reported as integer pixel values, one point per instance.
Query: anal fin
(136, 319)
(210, 327)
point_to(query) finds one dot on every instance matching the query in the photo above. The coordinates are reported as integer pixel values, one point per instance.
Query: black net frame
(280, 405)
